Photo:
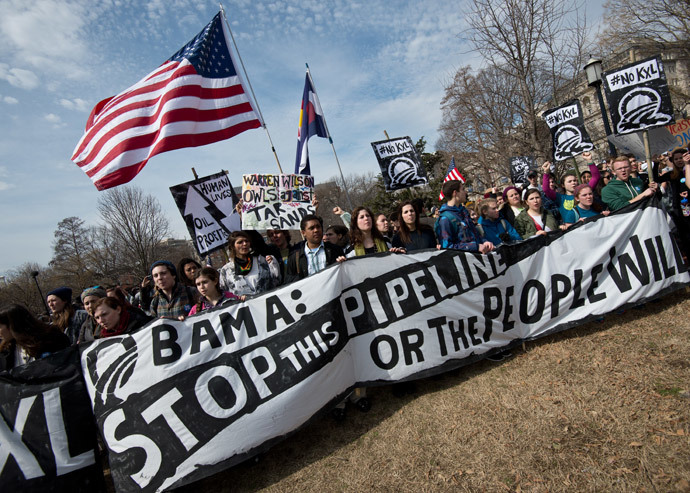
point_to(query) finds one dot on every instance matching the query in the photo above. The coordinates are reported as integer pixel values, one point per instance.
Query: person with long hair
(412, 234)
(338, 235)
(512, 205)
(116, 319)
(208, 285)
(25, 338)
(248, 273)
(584, 203)
(187, 269)
(678, 191)
(534, 220)
(280, 238)
(63, 314)
(365, 238)
(566, 201)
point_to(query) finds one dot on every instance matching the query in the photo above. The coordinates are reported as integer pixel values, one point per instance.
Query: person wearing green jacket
(625, 189)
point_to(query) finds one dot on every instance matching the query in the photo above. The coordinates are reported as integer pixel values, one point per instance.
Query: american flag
(195, 98)
(451, 174)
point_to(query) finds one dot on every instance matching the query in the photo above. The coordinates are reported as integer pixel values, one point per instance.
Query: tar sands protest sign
(276, 201)
(568, 132)
(179, 400)
(520, 167)
(638, 96)
(400, 165)
(207, 206)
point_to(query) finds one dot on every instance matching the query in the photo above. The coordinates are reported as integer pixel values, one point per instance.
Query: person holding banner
(247, 273)
(314, 254)
(584, 200)
(365, 238)
(534, 220)
(625, 189)
(412, 235)
(494, 228)
(208, 285)
(25, 338)
(116, 319)
(171, 298)
(566, 201)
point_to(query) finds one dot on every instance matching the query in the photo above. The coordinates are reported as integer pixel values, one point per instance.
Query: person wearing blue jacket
(492, 227)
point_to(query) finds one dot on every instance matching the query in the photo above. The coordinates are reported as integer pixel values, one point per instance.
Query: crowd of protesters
(257, 264)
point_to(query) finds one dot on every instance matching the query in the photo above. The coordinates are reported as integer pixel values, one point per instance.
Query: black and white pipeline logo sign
(520, 167)
(568, 132)
(638, 96)
(400, 165)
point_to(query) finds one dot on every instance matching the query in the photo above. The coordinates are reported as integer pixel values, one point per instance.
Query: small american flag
(195, 98)
(451, 174)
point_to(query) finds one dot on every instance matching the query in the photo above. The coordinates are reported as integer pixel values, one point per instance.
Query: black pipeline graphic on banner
(207, 206)
(449, 309)
(520, 167)
(568, 132)
(638, 96)
(47, 431)
(400, 165)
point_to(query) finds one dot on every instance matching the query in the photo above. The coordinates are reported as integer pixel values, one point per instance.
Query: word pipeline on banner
(400, 164)
(638, 96)
(276, 201)
(180, 400)
(568, 132)
(207, 206)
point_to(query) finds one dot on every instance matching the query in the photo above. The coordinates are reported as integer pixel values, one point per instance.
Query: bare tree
(71, 249)
(534, 42)
(651, 21)
(137, 225)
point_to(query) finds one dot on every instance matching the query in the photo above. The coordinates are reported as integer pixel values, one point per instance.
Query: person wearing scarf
(115, 319)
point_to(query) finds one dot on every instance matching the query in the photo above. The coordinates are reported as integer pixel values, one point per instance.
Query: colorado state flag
(311, 122)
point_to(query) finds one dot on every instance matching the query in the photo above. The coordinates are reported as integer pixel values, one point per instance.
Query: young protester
(210, 292)
(584, 200)
(116, 319)
(338, 235)
(280, 238)
(364, 237)
(512, 205)
(90, 328)
(534, 220)
(187, 269)
(63, 314)
(454, 227)
(625, 189)
(382, 225)
(313, 255)
(24, 338)
(171, 299)
(412, 234)
(248, 273)
(566, 201)
(494, 228)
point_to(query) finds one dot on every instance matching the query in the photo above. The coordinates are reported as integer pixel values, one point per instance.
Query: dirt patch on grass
(603, 407)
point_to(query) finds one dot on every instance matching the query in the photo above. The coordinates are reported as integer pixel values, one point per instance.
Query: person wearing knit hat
(89, 329)
(63, 313)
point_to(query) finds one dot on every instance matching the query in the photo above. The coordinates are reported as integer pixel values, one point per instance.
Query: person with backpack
(494, 228)
(454, 227)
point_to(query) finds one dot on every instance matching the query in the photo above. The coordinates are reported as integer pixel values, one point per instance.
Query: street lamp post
(593, 70)
(34, 274)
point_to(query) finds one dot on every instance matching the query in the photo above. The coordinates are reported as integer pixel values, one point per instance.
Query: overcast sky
(377, 65)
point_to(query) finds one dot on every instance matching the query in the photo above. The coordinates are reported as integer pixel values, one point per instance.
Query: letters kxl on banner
(568, 132)
(400, 165)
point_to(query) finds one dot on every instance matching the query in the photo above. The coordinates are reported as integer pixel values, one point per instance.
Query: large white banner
(177, 401)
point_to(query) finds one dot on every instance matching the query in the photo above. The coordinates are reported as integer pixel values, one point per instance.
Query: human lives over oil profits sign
(276, 201)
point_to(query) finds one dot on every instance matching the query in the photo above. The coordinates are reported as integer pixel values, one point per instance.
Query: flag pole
(251, 89)
(330, 140)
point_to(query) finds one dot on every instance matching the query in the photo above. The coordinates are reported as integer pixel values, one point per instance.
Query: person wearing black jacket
(312, 255)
